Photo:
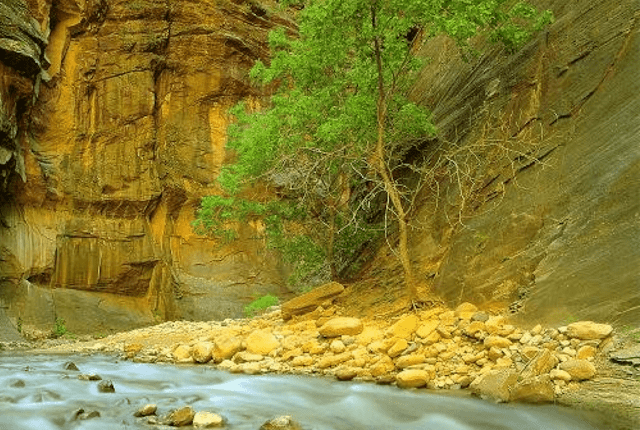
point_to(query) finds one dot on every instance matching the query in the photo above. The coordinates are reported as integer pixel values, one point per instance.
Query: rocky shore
(436, 348)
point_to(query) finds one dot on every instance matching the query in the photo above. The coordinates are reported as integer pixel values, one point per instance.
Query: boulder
(337, 346)
(412, 378)
(346, 374)
(579, 369)
(397, 348)
(226, 347)
(284, 422)
(261, 342)
(207, 420)
(495, 385)
(201, 352)
(180, 417)
(542, 363)
(587, 330)
(340, 326)
(405, 326)
(146, 410)
(466, 311)
(310, 301)
(70, 365)
(538, 389)
(106, 386)
(497, 342)
(89, 377)
(559, 375)
(409, 360)
(427, 328)
(182, 354)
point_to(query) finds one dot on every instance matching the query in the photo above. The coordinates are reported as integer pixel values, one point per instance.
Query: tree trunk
(385, 174)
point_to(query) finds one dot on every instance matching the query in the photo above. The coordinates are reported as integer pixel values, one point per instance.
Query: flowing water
(37, 393)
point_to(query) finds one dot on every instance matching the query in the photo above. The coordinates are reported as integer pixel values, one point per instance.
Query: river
(36, 392)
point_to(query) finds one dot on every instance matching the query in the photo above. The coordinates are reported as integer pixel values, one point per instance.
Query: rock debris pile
(436, 348)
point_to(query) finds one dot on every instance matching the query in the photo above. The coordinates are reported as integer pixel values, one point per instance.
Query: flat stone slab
(310, 301)
(627, 356)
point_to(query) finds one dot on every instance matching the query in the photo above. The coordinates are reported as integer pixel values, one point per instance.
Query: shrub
(260, 304)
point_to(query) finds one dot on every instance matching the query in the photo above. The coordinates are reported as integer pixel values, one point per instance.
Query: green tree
(339, 112)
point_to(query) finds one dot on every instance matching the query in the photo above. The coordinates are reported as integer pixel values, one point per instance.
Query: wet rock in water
(18, 384)
(106, 387)
(412, 378)
(345, 374)
(70, 365)
(180, 417)
(207, 420)
(579, 369)
(281, 423)
(146, 410)
(89, 377)
(495, 385)
(587, 330)
(341, 326)
(82, 415)
(627, 356)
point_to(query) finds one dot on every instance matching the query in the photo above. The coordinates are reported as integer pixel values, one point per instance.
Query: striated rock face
(105, 171)
(549, 168)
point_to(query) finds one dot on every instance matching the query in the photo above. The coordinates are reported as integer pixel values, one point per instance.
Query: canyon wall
(113, 128)
(541, 210)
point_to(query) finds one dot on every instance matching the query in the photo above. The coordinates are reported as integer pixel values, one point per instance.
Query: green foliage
(60, 328)
(260, 304)
(303, 254)
(348, 69)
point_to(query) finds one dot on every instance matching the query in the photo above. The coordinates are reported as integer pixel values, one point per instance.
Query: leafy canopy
(323, 113)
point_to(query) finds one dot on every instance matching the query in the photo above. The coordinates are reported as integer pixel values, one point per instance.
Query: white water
(51, 395)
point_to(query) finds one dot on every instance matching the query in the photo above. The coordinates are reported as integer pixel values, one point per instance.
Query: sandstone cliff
(547, 143)
(105, 170)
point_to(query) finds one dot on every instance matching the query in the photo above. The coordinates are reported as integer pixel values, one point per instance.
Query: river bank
(435, 348)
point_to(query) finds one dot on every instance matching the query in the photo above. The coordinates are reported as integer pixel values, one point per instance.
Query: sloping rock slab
(627, 356)
(311, 300)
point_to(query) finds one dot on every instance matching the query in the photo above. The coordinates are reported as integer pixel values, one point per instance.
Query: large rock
(310, 301)
(340, 326)
(542, 363)
(226, 347)
(534, 390)
(261, 342)
(180, 417)
(412, 378)
(284, 422)
(588, 330)
(201, 352)
(579, 369)
(495, 385)
(405, 326)
(207, 420)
